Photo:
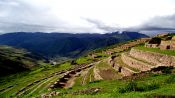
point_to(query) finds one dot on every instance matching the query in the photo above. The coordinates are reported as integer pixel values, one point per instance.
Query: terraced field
(36, 87)
(110, 64)
(110, 68)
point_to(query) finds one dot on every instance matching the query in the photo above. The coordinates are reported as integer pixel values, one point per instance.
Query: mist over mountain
(64, 44)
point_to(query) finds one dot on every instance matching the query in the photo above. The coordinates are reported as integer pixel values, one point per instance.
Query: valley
(124, 70)
(87, 48)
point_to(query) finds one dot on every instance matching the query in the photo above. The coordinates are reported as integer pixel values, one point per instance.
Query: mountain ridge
(64, 44)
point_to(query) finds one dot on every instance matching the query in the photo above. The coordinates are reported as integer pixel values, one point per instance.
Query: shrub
(167, 70)
(97, 81)
(133, 86)
(148, 87)
(171, 79)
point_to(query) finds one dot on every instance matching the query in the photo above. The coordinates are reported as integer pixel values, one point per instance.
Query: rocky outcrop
(153, 58)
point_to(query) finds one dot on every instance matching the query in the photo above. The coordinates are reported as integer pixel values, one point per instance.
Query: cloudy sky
(86, 16)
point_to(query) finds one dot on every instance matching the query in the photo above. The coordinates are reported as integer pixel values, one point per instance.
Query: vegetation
(142, 87)
(37, 81)
(13, 60)
(133, 86)
(155, 40)
(157, 50)
(21, 80)
(83, 60)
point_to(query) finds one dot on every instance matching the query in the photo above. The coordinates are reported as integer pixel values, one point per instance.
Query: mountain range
(64, 44)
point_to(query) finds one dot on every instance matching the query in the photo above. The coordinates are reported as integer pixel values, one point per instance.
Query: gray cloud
(155, 25)
(26, 16)
(22, 27)
(103, 26)
(160, 23)
(17, 16)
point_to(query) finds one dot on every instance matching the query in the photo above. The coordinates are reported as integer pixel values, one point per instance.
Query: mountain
(64, 44)
(14, 60)
(125, 70)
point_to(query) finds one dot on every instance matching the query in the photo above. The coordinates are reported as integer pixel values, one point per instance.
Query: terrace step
(123, 68)
(141, 66)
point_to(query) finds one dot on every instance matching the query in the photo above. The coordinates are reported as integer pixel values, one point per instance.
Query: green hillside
(102, 73)
(14, 60)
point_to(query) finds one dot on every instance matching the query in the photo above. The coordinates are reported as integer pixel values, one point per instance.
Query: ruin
(166, 43)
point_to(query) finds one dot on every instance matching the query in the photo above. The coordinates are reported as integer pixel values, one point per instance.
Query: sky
(86, 16)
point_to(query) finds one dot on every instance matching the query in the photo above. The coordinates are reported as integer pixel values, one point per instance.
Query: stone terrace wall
(134, 63)
(126, 72)
(153, 58)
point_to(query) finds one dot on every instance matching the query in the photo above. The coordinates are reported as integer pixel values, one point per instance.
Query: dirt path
(85, 75)
(97, 75)
(83, 72)
(70, 83)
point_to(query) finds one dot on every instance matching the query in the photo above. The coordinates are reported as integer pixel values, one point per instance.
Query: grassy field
(148, 86)
(157, 50)
(21, 80)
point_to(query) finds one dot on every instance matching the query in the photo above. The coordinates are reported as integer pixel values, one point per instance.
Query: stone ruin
(167, 43)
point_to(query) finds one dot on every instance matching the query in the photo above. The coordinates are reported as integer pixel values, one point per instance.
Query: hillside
(125, 70)
(14, 60)
(64, 44)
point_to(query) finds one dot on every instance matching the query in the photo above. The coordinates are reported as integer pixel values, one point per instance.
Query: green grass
(121, 63)
(21, 80)
(83, 60)
(90, 77)
(103, 65)
(151, 85)
(164, 83)
(157, 50)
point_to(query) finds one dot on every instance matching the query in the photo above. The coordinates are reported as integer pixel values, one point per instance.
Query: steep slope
(64, 44)
(14, 60)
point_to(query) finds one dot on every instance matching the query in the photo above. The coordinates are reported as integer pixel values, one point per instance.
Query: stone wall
(151, 45)
(153, 58)
(134, 63)
(167, 45)
(123, 70)
(126, 72)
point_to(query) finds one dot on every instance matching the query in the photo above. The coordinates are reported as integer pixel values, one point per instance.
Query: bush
(97, 81)
(133, 86)
(155, 40)
(167, 70)
(171, 79)
(148, 87)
